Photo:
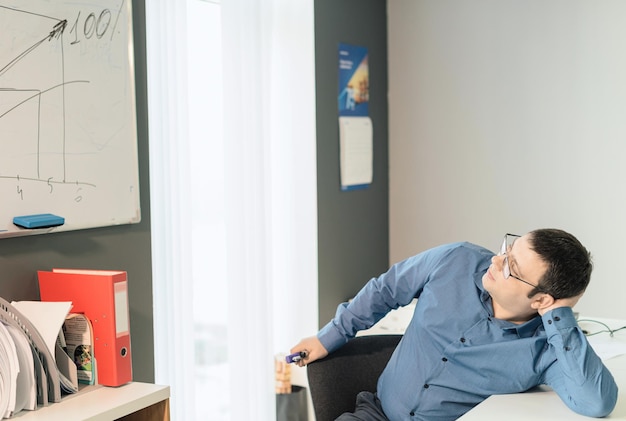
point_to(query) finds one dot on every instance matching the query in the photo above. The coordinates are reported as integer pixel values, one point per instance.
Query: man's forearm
(578, 376)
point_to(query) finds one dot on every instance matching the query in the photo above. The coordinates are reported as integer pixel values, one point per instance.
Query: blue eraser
(42, 220)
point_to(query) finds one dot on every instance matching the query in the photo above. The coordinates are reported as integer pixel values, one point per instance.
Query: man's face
(510, 295)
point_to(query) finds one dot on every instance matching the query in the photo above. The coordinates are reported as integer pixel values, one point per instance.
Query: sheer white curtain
(270, 156)
(266, 205)
(170, 200)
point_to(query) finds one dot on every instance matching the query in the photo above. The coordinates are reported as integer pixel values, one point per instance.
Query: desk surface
(100, 403)
(543, 404)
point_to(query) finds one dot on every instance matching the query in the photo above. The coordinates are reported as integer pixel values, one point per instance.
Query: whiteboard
(68, 130)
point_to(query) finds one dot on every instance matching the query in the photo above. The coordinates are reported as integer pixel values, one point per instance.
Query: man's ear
(541, 300)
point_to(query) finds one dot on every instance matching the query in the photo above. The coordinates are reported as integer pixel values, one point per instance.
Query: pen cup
(282, 374)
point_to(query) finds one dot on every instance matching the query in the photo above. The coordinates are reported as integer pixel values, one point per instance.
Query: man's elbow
(603, 409)
(598, 408)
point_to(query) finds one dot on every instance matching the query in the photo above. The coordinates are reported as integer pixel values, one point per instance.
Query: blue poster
(353, 81)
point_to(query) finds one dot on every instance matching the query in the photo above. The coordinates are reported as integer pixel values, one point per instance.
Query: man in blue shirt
(484, 324)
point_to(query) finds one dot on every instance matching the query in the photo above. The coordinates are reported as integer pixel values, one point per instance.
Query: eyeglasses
(506, 269)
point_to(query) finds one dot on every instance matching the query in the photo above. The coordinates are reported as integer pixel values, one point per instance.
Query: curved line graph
(55, 34)
(13, 99)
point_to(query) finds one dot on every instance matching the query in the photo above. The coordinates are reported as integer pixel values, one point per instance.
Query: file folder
(103, 297)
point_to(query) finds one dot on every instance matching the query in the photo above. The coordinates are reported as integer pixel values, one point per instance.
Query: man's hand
(561, 302)
(313, 348)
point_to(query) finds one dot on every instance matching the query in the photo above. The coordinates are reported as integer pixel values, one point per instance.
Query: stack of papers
(9, 367)
(34, 369)
(18, 386)
(48, 318)
(26, 386)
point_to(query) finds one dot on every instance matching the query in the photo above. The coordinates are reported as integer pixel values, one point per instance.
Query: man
(483, 325)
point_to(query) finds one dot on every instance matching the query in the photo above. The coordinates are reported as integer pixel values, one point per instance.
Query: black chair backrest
(335, 381)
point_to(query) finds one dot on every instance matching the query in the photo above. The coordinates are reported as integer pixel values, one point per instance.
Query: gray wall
(508, 116)
(353, 226)
(124, 247)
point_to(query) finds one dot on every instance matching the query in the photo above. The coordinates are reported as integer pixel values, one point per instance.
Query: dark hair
(569, 263)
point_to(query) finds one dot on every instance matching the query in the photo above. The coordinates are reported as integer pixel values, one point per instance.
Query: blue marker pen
(295, 357)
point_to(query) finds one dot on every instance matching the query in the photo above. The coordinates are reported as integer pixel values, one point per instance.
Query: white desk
(133, 401)
(544, 404)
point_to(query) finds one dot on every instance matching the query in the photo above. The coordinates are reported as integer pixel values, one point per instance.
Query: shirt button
(462, 340)
(557, 318)
(426, 386)
(444, 359)
(412, 413)
(549, 322)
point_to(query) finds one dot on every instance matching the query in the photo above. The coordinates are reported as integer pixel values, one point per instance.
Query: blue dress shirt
(455, 353)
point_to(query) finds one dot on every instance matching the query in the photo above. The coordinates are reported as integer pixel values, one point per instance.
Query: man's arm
(397, 287)
(578, 375)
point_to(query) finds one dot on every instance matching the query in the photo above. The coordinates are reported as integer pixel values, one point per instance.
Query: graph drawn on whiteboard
(68, 131)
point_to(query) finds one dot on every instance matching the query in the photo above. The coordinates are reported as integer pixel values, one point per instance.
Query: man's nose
(498, 261)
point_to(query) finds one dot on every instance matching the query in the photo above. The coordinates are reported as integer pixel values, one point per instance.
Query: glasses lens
(506, 270)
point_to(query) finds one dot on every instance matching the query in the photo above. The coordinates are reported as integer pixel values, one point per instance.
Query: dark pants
(367, 408)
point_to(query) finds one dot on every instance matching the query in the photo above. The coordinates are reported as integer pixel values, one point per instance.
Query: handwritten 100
(92, 25)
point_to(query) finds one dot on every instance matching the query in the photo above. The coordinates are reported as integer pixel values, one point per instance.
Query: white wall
(506, 116)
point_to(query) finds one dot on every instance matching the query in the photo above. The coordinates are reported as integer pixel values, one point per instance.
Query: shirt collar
(524, 330)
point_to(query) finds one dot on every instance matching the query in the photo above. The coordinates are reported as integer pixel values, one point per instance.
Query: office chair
(335, 381)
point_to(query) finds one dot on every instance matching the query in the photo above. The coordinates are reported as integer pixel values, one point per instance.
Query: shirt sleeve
(578, 375)
(395, 288)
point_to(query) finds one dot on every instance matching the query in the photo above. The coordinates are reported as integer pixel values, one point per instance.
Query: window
(208, 241)
(233, 199)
